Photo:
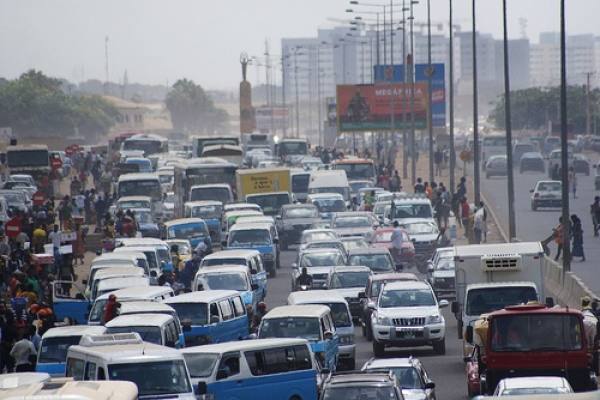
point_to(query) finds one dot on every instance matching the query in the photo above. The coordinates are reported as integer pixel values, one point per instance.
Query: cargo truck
(262, 180)
(490, 277)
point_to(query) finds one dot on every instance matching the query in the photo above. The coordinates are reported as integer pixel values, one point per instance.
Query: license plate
(405, 334)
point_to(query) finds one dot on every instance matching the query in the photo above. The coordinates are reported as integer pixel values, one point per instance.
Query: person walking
(559, 238)
(573, 181)
(465, 212)
(24, 354)
(595, 212)
(577, 237)
(419, 187)
(438, 158)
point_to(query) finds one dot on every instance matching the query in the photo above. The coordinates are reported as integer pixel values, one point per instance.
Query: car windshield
(153, 378)
(224, 281)
(421, 228)
(445, 265)
(376, 262)
(412, 211)
(536, 332)
(356, 186)
(141, 187)
(485, 300)
(316, 236)
(340, 314)
(143, 217)
(270, 204)
(207, 212)
(330, 205)
(187, 231)
(211, 193)
(165, 178)
(549, 187)
(290, 327)
(248, 237)
(125, 205)
(382, 237)
(357, 171)
(200, 365)
(194, 312)
(300, 183)
(223, 261)
(406, 298)
(360, 392)
(292, 148)
(150, 334)
(356, 243)
(349, 280)
(407, 377)
(352, 222)
(321, 260)
(532, 390)
(54, 349)
(301, 212)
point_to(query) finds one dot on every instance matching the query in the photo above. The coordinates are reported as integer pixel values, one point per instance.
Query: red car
(383, 238)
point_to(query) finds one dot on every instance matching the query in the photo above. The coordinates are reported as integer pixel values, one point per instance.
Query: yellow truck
(262, 180)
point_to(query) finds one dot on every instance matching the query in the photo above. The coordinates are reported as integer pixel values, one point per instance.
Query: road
(447, 371)
(537, 225)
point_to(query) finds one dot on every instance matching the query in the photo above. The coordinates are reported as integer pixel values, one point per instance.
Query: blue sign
(395, 74)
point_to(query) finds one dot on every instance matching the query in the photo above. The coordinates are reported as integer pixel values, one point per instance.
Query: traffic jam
(194, 240)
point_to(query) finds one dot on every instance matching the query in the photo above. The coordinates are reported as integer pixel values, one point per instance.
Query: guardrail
(567, 289)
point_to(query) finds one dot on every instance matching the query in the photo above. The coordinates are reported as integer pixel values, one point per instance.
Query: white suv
(546, 194)
(408, 314)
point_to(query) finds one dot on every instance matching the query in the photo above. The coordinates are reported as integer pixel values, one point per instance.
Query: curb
(495, 218)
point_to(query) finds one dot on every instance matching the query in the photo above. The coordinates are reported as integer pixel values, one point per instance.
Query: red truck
(529, 340)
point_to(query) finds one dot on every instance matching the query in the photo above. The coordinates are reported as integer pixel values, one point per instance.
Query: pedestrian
(555, 174)
(465, 211)
(419, 187)
(79, 244)
(573, 181)
(484, 220)
(261, 310)
(23, 352)
(559, 238)
(111, 309)
(478, 225)
(396, 184)
(438, 158)
(595, 213)
(577, 237)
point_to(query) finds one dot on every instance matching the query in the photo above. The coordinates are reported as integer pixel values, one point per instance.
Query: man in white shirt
(397, 243)
(22, 352)
(55, 237)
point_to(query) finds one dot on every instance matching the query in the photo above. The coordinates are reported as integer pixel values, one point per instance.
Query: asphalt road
(447, 371)
(537, 225)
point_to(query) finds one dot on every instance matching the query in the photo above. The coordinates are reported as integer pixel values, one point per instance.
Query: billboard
(395, 73)
(369, 107)
(271, 118)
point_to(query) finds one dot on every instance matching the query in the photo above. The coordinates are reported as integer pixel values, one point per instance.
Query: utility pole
(451, 104)
(393, 96)
(283, 61)
(429, 93)
(476, 154)
(296, 90)
(404, 80)
(512, 228)
(319, 94)
(107, 77)
(411, 75)
(564, 143)
(588, 104)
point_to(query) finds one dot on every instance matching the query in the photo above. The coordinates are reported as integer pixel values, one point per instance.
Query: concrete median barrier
(567, 289)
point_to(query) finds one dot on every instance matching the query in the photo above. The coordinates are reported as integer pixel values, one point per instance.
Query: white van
(330, 181)
(157, 371)
(112, 284)
(138, 293)
(67, 389)
(112, 273)
(153, 328)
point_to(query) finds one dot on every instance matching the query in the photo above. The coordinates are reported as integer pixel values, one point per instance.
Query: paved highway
(537, 225)
(447, 371)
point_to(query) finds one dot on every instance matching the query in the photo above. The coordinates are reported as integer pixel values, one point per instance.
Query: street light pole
(283, 78)
(296, 90)
(564, 143)
(411, 75)
(429, 93)
(512, 229)
(451, 101)
(476, 183)
(404, 130)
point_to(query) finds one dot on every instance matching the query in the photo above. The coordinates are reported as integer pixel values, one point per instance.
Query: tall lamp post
(476, 154)
(429, 92)
(564, 142)
(512, 230)
(451, 101)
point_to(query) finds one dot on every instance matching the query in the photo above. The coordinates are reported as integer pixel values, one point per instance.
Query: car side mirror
(214, 319)
(328, 335)
(443, 303)
(430, 385)
(294, 265)
(275, 240)
(325, 371)
(221, 374)
(153, 274)
(253, 271)
(469, 334)
(467, 359)
(362, 295)
(254, 286)
(202, 388)
(371, 305)
(84, 282)
(454, 307)
(430, 268)
(530, 190)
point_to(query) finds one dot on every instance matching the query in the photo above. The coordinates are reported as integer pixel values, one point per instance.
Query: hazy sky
(162, 40)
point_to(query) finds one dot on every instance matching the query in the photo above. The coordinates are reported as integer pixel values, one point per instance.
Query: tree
(192, 110)
(36, 106)
(532, 108)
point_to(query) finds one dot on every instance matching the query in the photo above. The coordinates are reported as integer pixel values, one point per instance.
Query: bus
(198, 142)
(357, 169)
(228, 152)
(291, 150)
(142, 184)
(28, 159)
(148, 143)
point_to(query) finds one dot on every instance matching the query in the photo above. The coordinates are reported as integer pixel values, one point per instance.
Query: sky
(160, 41)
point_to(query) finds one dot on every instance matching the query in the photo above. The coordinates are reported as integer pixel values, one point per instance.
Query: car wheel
(440, 346)
(378, 348)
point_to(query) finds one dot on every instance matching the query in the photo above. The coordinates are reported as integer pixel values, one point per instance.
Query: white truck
(490, 277)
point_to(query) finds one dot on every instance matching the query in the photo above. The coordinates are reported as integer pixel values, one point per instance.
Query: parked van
(243, 369)
(330, 181)
(225, 277)
(157, 371)
(342, 319)
(216, 191)
(113, 273)
(52, 352)
(153, 328)
(248, 258)
(211, 316)
(261, 237)
(211, 212)
(193, 229)
(311, 322)
(138, 293)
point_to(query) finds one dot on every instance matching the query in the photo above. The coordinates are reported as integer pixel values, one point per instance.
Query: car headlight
(383, 320)
(434, 319)
(347, 339)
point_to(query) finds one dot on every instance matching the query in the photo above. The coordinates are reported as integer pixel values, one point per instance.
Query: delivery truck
(490, 277)
(262, 180)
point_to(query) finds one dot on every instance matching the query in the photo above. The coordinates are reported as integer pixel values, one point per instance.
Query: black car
(293, 220)
(581, 165)
(532, 162)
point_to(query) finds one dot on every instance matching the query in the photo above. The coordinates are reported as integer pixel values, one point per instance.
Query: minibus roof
(205, 296)
(244, 345)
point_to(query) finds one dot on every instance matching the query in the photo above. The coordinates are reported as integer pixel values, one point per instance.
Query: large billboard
(369, 107)
(395, 74)
(271, 118)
